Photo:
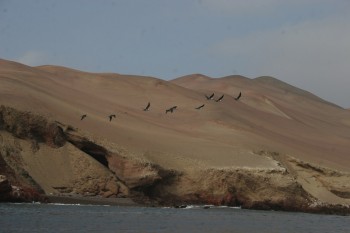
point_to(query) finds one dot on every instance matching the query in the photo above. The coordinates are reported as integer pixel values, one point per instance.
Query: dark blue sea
(88, 218)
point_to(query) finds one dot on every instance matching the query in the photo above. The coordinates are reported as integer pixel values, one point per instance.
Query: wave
(205, 207)
(73, 204)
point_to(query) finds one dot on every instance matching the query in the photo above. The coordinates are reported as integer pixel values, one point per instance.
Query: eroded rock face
(48, 140)
(11, 193)
(96, 171)
(31, 127)
(95, 151)
(134, 173)
(17, 185)
(245, 188)
(5, 188)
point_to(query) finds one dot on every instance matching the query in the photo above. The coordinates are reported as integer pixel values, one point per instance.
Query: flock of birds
(172, 109)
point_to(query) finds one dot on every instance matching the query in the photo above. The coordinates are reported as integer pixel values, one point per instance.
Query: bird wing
(220, 98)
(147, 107)
(239, 96)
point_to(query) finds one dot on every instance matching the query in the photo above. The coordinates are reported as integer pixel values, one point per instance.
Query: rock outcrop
(31, 127)
(5, 188)
(74, 164)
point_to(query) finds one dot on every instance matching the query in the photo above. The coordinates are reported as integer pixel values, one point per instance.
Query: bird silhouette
(239, 96)
(221, 97)
(171, 109)
(210, 97)
(83, 116)
(199, 107)
(147, 107)
(111, 117)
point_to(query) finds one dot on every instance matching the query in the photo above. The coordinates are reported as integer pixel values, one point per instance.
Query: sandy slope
(208, 137)
(270, 117)
(294, 121)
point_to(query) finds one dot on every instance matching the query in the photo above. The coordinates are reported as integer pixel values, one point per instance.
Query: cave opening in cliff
(97, 152)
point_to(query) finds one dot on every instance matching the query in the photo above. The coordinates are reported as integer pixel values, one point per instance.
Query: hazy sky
(305, 43)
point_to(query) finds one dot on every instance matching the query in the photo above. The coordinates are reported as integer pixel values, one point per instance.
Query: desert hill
(272, 127)
(282, 113)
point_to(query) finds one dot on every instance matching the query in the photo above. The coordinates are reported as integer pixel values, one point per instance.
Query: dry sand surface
(271, 116)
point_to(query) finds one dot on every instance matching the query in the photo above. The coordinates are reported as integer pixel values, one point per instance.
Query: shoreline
(52, 199)
(128, 202)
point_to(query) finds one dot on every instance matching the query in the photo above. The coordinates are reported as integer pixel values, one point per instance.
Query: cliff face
(15, 183)
(28, 144)
(37, 153)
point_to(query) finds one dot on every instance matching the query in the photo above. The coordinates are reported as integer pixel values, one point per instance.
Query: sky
(305, 43)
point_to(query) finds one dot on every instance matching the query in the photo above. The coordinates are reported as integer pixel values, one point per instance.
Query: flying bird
(199, 107)
(82, 117)
(221, 97)
(210, 97)
(147, 107)
(111, 117)
(239, 96)
(171, 109)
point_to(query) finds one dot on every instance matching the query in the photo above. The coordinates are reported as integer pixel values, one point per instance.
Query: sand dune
(270, 116)
(301, 123)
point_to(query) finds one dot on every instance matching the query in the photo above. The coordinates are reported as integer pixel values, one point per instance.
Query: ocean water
(86, 218)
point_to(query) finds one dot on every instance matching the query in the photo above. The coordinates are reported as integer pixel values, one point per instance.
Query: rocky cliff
(100, 172)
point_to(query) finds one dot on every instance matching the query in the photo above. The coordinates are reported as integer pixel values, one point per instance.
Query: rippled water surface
(79, 218)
